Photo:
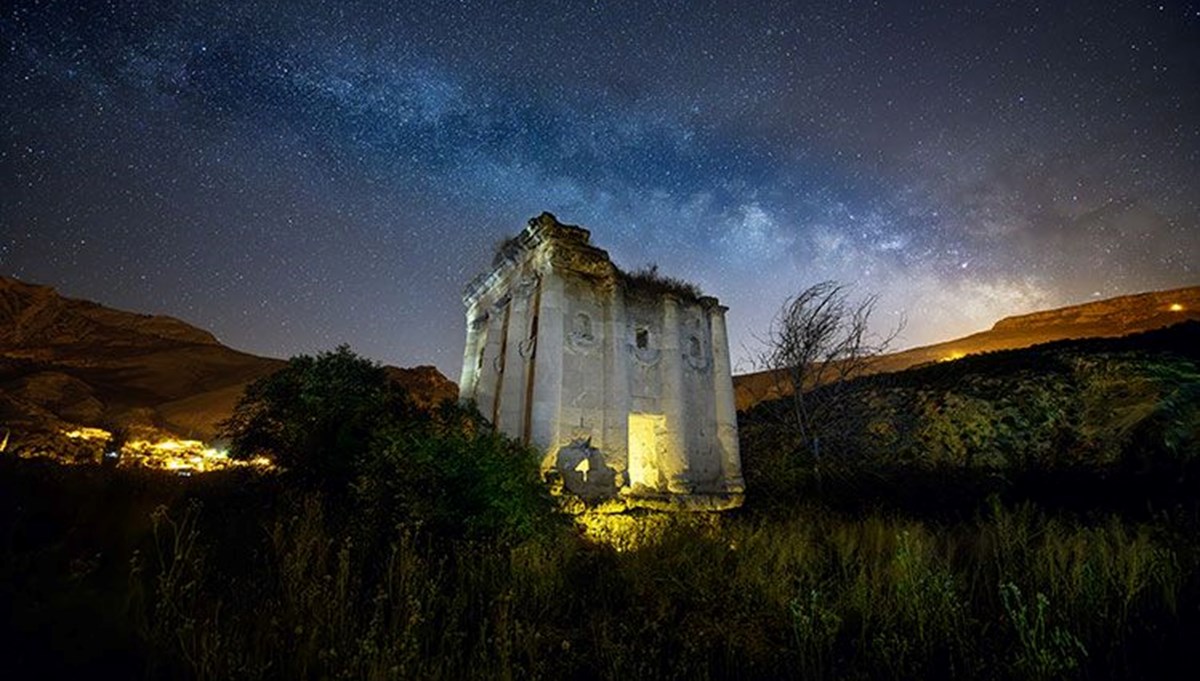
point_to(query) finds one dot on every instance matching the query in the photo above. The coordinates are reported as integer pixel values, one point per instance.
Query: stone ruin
(623, 382)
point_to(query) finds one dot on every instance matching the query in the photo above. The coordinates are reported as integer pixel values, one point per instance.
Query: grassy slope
(1114, 317)
(907, 568)
(1123, 408)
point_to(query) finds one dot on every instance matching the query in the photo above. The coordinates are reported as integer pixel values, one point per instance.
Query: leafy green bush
(316, 417)
(451, 471)
(337, 423)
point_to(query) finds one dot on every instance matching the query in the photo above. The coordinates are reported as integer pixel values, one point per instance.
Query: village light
(169, 454)
(88, 434)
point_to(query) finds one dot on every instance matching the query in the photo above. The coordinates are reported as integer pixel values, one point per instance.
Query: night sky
(293, 175)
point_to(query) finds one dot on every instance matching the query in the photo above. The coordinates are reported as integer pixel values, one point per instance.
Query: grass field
(135, 573)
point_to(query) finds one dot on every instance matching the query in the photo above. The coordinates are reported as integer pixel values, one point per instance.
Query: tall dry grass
(1011, 593)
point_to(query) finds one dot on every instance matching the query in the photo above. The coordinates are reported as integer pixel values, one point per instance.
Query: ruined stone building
(622, 381)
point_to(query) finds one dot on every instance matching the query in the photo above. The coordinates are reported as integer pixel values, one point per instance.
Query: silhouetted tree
(817, 343)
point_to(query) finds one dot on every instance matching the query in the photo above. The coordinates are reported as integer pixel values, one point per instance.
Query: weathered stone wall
(627, 391)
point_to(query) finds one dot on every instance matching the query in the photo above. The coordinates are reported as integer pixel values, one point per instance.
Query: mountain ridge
(67, 362)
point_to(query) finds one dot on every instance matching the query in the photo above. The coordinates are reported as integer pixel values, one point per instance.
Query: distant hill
(66, 362)
(1111, 317)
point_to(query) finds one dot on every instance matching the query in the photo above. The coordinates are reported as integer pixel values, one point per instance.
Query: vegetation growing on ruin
(649, 281)
(506, 249)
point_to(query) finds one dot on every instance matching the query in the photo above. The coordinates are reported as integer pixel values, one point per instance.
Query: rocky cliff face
(66, 362)
(36, 318)
(1111, 317)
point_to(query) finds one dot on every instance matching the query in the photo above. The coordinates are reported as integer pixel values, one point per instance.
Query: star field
(295, 175)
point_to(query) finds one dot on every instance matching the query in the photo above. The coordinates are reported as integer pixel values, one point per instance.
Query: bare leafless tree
(817, 343)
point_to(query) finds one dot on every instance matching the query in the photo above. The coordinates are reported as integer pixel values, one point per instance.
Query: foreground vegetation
(426, 550)
(133, 573)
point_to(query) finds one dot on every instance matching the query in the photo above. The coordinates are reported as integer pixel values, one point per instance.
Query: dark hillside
(67, 362)
(1108, 415)
(1111, 318)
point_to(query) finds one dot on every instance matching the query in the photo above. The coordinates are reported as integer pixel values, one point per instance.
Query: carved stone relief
(582, 337)
(525, 286)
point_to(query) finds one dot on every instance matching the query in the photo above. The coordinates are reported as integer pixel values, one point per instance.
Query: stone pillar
(726, 409)
(548, 369)
(674, 457)
(616, 397)
(517, 353)
(489, 378)
(470, 369)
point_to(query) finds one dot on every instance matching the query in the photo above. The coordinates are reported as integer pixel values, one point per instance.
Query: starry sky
(294, 175)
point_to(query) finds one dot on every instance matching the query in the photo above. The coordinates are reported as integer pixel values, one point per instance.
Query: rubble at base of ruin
(623, 382)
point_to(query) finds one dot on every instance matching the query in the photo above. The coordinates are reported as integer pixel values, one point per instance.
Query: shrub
(450, 471)
(316, 416)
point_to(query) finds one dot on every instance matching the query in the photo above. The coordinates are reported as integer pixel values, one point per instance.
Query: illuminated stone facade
(623, 383)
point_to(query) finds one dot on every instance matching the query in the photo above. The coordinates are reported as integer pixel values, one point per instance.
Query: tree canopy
(315, 418)
(336, 422)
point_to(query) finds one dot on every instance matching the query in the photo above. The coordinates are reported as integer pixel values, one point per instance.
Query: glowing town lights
(1176, 307)
(184, 455)
(88, 434)
(180, 456)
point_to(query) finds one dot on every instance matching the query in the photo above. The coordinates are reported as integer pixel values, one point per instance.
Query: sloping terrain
(1111, 317)
(1126, 407)
(70, 362)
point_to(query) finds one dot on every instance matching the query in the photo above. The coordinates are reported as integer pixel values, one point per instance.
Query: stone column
(548, 361)
(489, 380)
(674, 459)
(616, 397)
(470, 369)
(726, 409)
(516, 357)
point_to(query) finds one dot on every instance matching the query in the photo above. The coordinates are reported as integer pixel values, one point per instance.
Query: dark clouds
(294, 175)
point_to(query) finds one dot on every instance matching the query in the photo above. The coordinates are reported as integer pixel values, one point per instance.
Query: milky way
(293, 175)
